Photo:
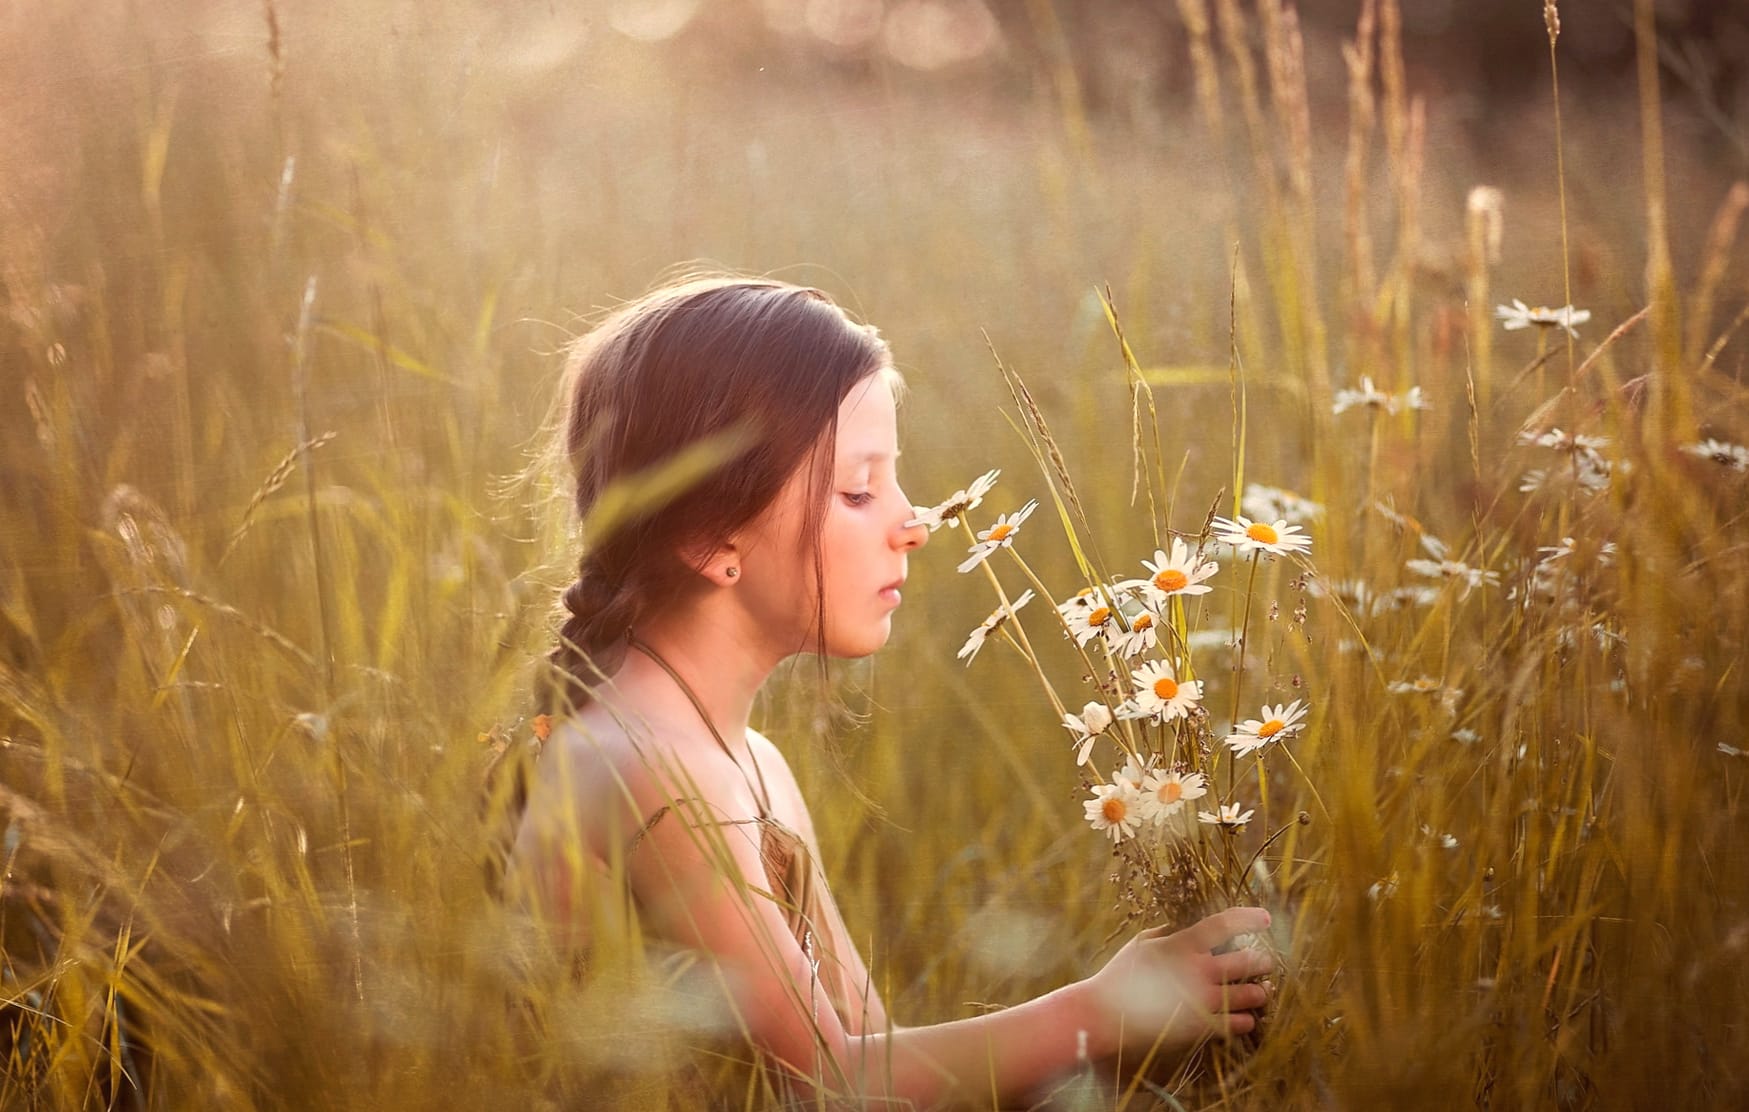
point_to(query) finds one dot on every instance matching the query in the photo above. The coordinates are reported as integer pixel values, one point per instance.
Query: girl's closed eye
(859, 497)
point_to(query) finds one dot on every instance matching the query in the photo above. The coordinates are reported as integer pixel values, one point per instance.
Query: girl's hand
(1172, 989)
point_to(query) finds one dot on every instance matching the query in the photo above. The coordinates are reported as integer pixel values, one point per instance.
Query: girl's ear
(721, 564)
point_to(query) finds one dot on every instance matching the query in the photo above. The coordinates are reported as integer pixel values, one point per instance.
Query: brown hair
(695, 360)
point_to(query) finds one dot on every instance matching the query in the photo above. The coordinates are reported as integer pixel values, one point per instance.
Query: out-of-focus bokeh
(283, 289)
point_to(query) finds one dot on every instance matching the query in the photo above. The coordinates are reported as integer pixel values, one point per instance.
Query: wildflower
(1227, 818)
(956, 507)
(999, 535)
(1115, 808)
(1440, 567)
(1269, 503)
(1089, 724)
(1519, 315)
(1164, 794)
(1143, 634)
(1734, 456)
(1088, 615)
(990, 625)
(1159, 694)
(1427, 685)
(1442, 840)
(1564, 441)
(1371, 397)
(1605, 555)
(1277, 724)
(543, 726)
(1423, 685)
(1280, 539)
(1134, 772)
(1386, 508)
(1404, 598)
(1176, 574)
(1591, 473)
(1382, 889)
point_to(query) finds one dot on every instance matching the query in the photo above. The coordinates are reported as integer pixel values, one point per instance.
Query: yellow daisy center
(1001, 532)
(1271, 728)
(1170, 792)
(1099, 616)
(1263, 534)
(1166, 687)
(1171, 579)
(1143, 621)
(1113, 809)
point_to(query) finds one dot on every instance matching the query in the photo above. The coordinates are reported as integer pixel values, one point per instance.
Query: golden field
(284, 295)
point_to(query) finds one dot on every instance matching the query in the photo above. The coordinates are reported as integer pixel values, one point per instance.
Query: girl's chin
(865, 643)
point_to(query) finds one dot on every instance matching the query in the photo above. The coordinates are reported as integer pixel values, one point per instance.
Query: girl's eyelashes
(859, 497)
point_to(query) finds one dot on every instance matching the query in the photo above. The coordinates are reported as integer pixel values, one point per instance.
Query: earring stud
(732, 572)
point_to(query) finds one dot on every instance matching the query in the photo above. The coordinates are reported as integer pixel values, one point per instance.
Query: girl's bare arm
(697, 881)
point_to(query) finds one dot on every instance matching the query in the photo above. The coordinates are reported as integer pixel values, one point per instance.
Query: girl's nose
(911, 536)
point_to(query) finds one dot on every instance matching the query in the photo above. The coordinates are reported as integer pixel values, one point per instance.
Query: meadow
(284, 301)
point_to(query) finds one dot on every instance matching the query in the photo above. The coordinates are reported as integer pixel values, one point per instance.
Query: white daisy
(1089, 724)
(1551, 553)
(1159, 695)
(1143, 633)
(990, 625)
(1164, 793)
(1421, 685)
(1590, 473)
(1564, 441)
(1371, 397)
(1277, 724)
(1519, 315)
(1734, 456)
(1134, 772)
(1267, 503)
(999, 535)
(1115, 808)
(1176, 574)
(950, 511)
(1280, 539)
(1227, 818)
(1088, 615)
(1367, 397)
(1441, 567)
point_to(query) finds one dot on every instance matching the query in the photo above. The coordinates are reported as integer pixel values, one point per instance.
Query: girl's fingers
(1242, 965)
(1239, 998)
(1218, 928)
(1236, 1023)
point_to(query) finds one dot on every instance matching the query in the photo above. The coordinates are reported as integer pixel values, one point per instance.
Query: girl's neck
(719, 669)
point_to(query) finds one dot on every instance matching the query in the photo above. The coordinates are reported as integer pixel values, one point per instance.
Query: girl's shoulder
(787, 802)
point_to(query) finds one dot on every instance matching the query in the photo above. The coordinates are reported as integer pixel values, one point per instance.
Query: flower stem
(1018, 631)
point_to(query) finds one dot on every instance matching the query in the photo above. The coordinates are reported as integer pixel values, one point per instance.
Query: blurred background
(283, 288)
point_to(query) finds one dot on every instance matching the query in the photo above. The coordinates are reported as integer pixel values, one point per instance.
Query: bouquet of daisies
(1167, 778)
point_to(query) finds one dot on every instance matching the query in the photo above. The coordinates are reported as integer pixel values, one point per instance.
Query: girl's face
(863, 539)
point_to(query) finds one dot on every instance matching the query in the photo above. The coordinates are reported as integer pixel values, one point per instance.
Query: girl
(797, 543)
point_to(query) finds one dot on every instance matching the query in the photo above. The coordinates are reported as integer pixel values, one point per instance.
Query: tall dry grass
(282, 299)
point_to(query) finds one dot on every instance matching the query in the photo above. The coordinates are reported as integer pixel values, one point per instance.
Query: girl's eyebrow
(870, 457)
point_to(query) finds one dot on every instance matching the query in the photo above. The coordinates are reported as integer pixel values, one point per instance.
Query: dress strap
(761, 795)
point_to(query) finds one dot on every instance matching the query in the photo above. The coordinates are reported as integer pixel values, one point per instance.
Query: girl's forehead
(868, 422)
